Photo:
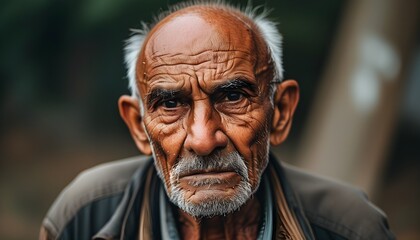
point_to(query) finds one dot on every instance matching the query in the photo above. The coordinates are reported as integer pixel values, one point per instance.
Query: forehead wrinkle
(213, 58)
(219, 70)
(214, 61)
(171, 75)
(204, 52)
(169, 84)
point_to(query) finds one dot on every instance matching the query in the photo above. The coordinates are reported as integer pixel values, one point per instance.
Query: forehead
(210, 42)
(192, 32)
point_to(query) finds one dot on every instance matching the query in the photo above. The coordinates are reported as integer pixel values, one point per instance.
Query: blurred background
(61, 73)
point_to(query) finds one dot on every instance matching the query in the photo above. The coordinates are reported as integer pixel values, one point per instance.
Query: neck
(241, 224)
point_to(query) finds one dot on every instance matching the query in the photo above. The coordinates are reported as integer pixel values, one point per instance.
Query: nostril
(221, 138)
(217, 149)
(205, 144)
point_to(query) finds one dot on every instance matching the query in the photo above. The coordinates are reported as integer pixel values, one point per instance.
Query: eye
(233, 96)
(170, 103)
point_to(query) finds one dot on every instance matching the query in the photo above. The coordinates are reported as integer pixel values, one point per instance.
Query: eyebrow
(236, 83)
(160, 93)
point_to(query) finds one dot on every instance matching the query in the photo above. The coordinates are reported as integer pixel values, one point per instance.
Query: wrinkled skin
(204, 76)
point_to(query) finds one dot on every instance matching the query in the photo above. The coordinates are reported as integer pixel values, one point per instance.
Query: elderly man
(207, 101)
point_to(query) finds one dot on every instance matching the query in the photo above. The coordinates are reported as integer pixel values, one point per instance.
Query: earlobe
(130, 113)
(285, 102)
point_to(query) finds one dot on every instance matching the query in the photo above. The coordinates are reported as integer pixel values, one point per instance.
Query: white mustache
(216, 162)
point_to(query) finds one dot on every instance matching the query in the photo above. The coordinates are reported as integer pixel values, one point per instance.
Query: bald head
(198, 30)
(193, 28)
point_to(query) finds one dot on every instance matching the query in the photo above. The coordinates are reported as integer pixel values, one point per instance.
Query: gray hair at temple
(267, 28)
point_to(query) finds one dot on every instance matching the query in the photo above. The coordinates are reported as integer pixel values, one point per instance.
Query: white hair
(266, 27)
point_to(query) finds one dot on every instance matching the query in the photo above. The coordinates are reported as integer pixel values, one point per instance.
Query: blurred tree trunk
(350, 127)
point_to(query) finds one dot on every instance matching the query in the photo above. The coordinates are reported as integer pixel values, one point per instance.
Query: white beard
(214, 205)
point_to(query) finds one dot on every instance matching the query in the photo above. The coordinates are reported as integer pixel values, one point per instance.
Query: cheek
(248, 129)
(249, 135)
(167, 141)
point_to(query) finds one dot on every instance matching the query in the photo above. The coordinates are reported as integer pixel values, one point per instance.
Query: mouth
(207, 172)
(210, 179)
(199, 181)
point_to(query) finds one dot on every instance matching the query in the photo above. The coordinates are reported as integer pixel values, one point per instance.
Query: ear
(130, 113)
(285, 101)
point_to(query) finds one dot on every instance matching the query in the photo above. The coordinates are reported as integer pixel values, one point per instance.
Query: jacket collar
(124, 222)
(292, 199)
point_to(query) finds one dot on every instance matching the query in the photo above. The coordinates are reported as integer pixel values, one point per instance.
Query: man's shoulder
(337, 207)
(100, 182)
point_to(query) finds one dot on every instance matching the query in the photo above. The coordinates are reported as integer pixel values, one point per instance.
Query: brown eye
(233, 96)
(170, 103)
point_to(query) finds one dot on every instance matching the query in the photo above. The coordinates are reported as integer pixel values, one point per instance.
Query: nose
(204, 130)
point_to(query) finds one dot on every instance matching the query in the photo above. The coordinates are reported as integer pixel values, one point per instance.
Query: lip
(223, 177)
(206, 172)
